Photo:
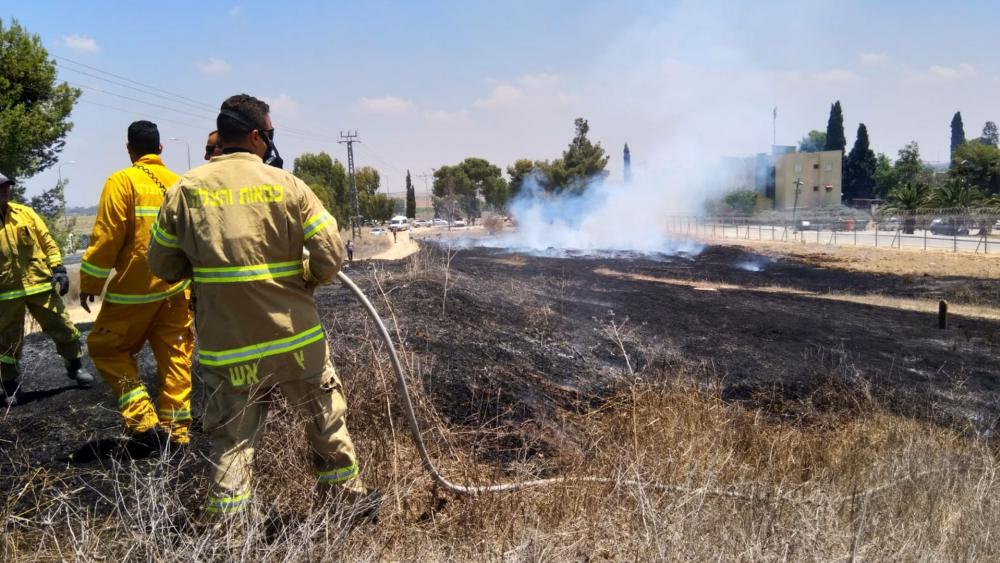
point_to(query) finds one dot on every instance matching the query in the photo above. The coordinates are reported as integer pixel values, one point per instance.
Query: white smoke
(606, 218)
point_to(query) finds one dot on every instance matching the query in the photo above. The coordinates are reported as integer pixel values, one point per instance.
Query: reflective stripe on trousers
(262, 349)
(337, 476)
(228, 504)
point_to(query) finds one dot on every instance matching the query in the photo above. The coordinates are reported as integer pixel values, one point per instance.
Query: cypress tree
(411, 198)
(859, 170)
(835, 139)
(957, 132)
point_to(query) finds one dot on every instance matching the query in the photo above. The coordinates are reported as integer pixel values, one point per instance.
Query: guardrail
(952, 235)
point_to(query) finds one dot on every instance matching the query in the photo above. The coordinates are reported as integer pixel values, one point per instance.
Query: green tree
(34, 108)
(909, 168)
(991, 135)
(452, 190)
(906, 200)
(411, 198)
(375, 207)
(978, 165)
(859, 170)
(955, 194)
(814, 141)
(957, 133)
(743, 201)
(835, 138)
(885, 175)
(583, 160)
(328, 180)
(487, 181)
(518, 174)
(367, 179)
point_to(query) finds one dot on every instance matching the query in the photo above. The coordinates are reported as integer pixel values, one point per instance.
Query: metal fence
(954, 234)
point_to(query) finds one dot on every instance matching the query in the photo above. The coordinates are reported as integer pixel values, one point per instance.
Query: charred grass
(692, 471)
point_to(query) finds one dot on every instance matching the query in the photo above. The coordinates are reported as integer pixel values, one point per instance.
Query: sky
(427, 84)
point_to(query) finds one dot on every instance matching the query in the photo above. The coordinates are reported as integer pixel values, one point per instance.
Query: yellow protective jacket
(240, 229)
(125, 215)
(27, 254)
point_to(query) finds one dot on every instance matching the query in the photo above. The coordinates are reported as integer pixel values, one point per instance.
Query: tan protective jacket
(125, 215)
(27, 254)
(239, 229)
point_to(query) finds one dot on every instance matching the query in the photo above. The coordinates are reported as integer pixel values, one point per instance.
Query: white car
(377, 231)
(458, 223)
(439, 223)
(421, 223)
(399, 223)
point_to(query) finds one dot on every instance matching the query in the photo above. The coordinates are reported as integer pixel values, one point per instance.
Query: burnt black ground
(524, 337)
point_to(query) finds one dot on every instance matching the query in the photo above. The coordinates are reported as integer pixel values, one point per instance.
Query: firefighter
(212, 145)
(30, 269)
(138, 307)
(243, 230)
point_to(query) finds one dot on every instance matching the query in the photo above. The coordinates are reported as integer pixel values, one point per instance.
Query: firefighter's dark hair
(239, 115)
(144, 138)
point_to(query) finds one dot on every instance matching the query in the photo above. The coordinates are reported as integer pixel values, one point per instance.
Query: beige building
(819, 174)
(774, 177)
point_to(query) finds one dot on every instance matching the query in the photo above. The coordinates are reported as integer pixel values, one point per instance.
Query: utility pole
(427, 192)
(349, 139)
(795, 206)
(774, 128)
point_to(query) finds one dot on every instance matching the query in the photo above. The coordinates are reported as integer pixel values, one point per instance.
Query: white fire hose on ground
(414, 425)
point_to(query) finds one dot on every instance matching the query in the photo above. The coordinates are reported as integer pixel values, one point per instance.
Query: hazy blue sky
(430, 83)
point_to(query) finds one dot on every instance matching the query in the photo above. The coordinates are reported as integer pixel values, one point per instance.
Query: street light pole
(59, 169)
(187, 146)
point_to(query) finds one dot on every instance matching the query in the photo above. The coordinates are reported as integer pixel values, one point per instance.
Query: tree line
(972, 178)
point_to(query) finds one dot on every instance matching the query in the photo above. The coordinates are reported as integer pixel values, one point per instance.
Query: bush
(743, 201)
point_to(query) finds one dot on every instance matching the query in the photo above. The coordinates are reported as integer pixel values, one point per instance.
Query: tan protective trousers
(235, 416)
(49, 312)
(118, 336)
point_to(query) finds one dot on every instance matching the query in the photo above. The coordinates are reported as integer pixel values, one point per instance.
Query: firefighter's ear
(159, 149)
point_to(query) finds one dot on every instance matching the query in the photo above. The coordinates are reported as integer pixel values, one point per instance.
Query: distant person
(350, 252)
(30, 269)
(242, 229)
(212, 147)
(138, 307)
(393, 235)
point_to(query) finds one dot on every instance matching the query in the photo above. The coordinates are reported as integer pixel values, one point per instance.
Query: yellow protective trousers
(117, 337)
(234, 417)
(49, 312)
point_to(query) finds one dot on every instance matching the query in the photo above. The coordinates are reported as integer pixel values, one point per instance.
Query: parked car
(377, 231)
(439, 222)
(422, 223)
(948, 227)
(890, 224)
(458, 223)
(399, 223)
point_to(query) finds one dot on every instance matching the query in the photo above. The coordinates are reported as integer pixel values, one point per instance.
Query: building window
(816, 166)
(815, 188)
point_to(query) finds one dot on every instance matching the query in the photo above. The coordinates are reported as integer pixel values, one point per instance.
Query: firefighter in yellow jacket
(138, 307)
(30, 268)
(242, 231)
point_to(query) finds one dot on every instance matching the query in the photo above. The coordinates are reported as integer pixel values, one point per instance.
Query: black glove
(60, 277)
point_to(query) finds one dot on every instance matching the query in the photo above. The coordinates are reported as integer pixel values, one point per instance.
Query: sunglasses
(269, 133)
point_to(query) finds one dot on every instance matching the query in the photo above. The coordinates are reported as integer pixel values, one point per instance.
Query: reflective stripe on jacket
(125, 216)
(240, 229)
(27, 253)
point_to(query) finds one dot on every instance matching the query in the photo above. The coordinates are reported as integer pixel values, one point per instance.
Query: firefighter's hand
(60, 278)
(84, 299)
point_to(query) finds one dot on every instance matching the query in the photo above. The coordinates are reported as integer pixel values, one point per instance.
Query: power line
(123, 85)
(94, 68)
(124, 97)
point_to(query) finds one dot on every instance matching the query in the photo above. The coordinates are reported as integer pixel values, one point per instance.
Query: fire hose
(411, 418)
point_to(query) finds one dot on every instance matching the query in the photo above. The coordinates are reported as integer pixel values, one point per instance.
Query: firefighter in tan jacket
(242, 231)
(138, 307)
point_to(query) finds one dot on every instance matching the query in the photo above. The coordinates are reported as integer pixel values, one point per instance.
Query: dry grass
(901, 262)
(828, 477)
